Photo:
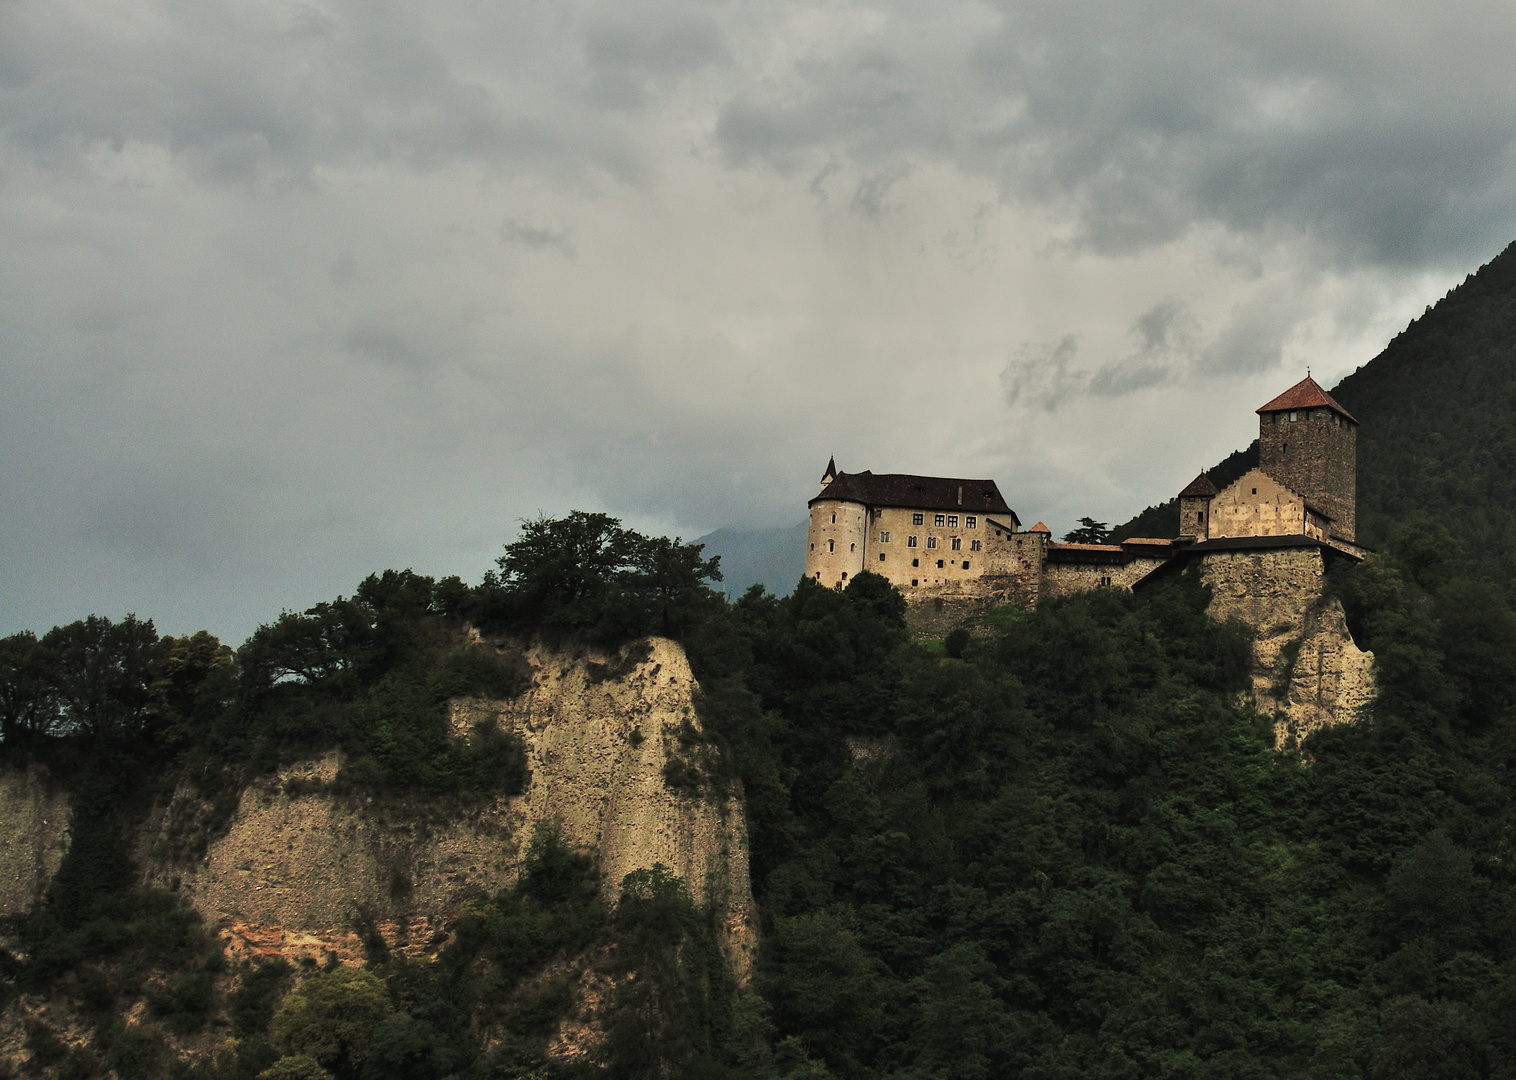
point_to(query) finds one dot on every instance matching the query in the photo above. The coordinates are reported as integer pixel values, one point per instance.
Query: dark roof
(1305, 395)
(1089, 554)
(1254, 543)
(916, 492)
(831, 470)
(1200, 487)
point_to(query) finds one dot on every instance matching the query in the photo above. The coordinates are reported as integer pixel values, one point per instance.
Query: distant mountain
(1437, 410)
(773, 558)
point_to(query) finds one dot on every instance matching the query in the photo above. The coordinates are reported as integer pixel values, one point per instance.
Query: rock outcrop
(1307, 671)
(303, 871)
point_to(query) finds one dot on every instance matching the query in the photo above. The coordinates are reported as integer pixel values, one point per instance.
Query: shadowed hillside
(1437, 407)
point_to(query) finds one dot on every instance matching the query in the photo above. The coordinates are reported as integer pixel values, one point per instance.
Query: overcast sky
(293, 291)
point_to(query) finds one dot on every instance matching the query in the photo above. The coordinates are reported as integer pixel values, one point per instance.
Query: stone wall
(1316, 454)
(836, 541)
(1259, 505)
(1307, 671)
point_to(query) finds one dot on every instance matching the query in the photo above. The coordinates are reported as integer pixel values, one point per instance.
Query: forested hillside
(1436, 408)
(1064, 849)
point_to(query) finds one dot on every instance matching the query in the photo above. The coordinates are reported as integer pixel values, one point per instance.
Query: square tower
(1309, 443)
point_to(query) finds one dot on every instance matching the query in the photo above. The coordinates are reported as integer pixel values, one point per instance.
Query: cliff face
(301, 870)
(33, 836)
(1306, 669)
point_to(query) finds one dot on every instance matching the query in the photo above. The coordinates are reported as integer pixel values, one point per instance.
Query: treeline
(1063, 847)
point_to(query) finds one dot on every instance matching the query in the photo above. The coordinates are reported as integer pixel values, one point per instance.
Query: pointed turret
(831, 472)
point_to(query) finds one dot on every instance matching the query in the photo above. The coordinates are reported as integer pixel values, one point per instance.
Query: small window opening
(834, 519)
(915, 582)
(939, 564)
(831, 546)
(940, 520)
(915, 562)
(844, 575)
(881, 556)
(965, 564)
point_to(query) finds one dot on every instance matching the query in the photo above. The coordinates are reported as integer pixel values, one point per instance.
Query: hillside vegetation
(1065, 850)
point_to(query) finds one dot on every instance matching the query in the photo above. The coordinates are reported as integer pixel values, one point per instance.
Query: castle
(1264, 544)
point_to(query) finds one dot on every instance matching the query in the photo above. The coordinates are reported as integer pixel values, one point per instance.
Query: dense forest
(1058, 847)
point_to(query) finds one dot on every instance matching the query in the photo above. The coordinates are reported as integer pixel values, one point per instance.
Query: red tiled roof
(916, 492)
(1154, 540)
(1084, 547)
(1305, 395)
(1200, 487)
(1040, 527)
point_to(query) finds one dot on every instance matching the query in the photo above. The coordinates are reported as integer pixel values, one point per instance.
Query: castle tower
(1195, 507)
(1309, 443)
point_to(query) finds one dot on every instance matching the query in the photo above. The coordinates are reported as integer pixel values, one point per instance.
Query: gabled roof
(1305, 395)
(916, 492)
(1201, 488)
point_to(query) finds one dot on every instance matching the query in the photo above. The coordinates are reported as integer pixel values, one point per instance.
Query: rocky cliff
(1307, 671)
(301, 870)
(306, 871)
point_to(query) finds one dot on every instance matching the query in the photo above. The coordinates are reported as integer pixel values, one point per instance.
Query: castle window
(914, 582)
(939, 564)
(952, 522)
(915, 562)
(831, 546)
(971, 522)
(881, 556)
(957, 544)
(852, 547)
(1294, 416)
(918, 519)
(910, 541)
(975, 545)
(939, 520)
(818, 575)
(884, 538)
(1105, 581)
(834, 519)
(844, 575)
(931, 541)
(965, 564)
(813, 547)
(1255, 491)
(1286, 450)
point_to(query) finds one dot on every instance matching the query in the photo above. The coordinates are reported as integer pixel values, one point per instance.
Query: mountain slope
(1437, 409)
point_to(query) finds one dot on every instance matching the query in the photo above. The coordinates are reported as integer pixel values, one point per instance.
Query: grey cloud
(1040, 375)
(1386, 141)
(537, 237)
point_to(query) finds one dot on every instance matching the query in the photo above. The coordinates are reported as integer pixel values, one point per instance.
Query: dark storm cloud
(1385, 134)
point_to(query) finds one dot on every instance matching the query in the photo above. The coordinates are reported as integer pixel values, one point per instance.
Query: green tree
(1090, 531)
